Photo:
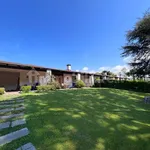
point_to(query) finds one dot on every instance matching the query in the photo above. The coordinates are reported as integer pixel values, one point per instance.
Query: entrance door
(59, 79)
(33, 79)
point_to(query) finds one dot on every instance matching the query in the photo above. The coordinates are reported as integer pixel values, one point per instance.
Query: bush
(140, 86)
(2, 91)
(45, 88)
(80, 84)
(97, 82)
(55, 84)
(26, 89)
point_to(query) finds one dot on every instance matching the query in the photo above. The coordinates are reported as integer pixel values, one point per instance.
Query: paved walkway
(12, 107)
(13, 93)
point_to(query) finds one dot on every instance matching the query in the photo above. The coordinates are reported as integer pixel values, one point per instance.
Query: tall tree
(108, 73)
(138, 45)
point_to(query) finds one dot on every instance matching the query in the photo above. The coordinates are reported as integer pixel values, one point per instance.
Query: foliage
(140, 86)
(97, 82)
(108, 73)
(80, 84)
(26, 89)
(135, 73)
(138, 46)
(55, 84)
(2, 91)
(132, 73)
(45, 88)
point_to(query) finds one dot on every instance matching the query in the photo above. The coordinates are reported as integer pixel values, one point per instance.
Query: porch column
(78, 76)
(92, 80)
(48, 75)
(49, 72)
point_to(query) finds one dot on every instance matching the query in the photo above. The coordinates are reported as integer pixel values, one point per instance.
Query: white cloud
(119, 68)
(92, 71)
(104, 68)
(85, 69)
(115, 69)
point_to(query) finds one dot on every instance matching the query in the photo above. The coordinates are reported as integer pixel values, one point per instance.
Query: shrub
(45, 88)
(80, 84)
(97, 82)
(55, 84)
(2, 91)
(26, 89)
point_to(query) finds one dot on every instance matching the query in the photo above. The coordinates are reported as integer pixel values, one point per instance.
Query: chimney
(69, 67)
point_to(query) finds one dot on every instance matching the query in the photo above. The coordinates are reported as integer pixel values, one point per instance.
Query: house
(14, 75)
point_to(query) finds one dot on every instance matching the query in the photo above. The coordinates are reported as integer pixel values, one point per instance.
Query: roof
(41, 67)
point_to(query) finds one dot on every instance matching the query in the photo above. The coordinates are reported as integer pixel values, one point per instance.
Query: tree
(108, 73)
(138, 46)
(132, 73)
(124, 71)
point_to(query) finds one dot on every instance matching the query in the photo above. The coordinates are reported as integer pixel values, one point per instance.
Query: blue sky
(85, 33)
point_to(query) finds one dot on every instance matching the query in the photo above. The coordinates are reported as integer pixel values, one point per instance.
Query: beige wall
(86, 79)
(24, 79)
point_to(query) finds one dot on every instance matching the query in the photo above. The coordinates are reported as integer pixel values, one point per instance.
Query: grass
(89, 119)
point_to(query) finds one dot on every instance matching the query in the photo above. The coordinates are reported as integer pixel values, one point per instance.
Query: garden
(96, 118)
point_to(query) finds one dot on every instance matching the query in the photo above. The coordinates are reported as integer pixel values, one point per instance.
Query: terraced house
(14, 75)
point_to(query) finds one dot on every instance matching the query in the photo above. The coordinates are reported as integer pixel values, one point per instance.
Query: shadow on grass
(87, 120)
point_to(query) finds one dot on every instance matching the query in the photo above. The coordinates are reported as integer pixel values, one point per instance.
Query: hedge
(45, 88)
(55, 84)
(140, 86)
(25, 89)
(2, 91)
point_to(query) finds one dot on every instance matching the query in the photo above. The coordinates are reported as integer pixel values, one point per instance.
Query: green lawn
(89, 119)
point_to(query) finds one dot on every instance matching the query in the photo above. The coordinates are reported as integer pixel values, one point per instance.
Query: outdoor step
(28, 146)
(18, 122)
(20, 100)
(6, 110)
(4, 125)
(11, 116)
(12, 124)
(11, 105)
(9, 110)
(11, 101)
(20, 108)
(13, 136)
(7, 102)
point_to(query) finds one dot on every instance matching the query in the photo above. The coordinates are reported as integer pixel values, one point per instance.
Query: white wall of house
(91, 80)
